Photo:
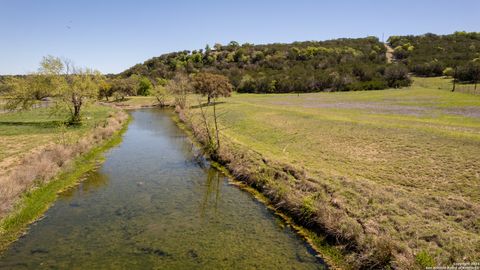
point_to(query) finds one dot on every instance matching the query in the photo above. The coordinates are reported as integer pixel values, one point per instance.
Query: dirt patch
(464, 111)
(388, 53)
(372, 107)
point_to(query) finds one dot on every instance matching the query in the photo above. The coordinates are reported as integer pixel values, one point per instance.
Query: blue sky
(113, 35)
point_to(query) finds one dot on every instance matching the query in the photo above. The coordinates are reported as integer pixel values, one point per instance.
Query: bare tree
(212, 86)
(180, 86)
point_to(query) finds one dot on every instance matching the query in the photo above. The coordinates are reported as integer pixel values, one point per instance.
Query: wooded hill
(436, 55)
(333, 65)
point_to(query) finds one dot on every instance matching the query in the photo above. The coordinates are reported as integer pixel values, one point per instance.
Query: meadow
(22, 131)
(392, 175)
(400, 166)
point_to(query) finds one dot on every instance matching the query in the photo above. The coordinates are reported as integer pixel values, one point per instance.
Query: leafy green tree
(81, 87)
(104, 89)
(72, 87)
(144, 86)
(160, 91)
(122, 87)
(470, 72)
(212, 85)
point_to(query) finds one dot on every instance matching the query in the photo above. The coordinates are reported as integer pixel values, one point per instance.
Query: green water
(153, 205)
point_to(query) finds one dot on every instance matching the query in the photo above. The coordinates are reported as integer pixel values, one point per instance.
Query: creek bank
(264, 179)
(29, 188)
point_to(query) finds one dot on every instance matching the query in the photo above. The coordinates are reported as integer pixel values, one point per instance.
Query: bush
(424, 259)
(144, 86)
(430, 69)
(370, 85)
(469, 72)
(448, 72)
(396, 75)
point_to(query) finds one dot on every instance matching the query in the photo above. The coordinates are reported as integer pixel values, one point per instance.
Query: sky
(113, 35)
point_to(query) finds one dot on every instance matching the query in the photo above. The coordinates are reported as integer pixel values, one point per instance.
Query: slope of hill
(333, 65)
(430, 54)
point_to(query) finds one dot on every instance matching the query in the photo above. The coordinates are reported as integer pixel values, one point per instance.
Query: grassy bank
(31, 185)
(23, 131)
(391, 176)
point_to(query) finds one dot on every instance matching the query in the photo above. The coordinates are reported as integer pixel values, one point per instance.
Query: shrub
(396, 75)
(424, 259)
(144, 86)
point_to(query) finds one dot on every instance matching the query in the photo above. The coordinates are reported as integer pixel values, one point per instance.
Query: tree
(470, 72)
(212, 85)
(160, 91)
(105, 89)
(81, 87)
(180, 86)
(122, 87)
(396, 75)
(20, 91)
(144, 86)
(73, 87)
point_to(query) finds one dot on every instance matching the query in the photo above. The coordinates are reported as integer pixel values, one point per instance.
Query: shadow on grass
(120, 100)
(44, 124)
(206, 104)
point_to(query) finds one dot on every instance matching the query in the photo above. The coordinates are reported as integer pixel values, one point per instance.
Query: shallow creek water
(152, 205)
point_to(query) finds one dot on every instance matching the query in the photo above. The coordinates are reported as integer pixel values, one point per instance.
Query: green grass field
(404, 162)
(22, 131)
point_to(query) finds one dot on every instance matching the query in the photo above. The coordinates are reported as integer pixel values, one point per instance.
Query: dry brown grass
(42, 165)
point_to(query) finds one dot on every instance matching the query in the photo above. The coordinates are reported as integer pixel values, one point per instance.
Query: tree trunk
(454, 79)
(208, 99)
(77, 105)
(216, 125)
(205, 123)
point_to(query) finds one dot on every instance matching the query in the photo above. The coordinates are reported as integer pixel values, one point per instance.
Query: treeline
(456, 55)
(334, 65)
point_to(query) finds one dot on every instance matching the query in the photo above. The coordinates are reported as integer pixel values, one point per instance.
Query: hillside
(430, 54)
(312, 66)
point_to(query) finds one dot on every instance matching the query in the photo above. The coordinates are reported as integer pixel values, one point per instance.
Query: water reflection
(212, 190)
(94, 180)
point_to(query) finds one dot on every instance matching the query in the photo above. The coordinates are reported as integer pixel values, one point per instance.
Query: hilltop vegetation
(437, 55)
(312, 66)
